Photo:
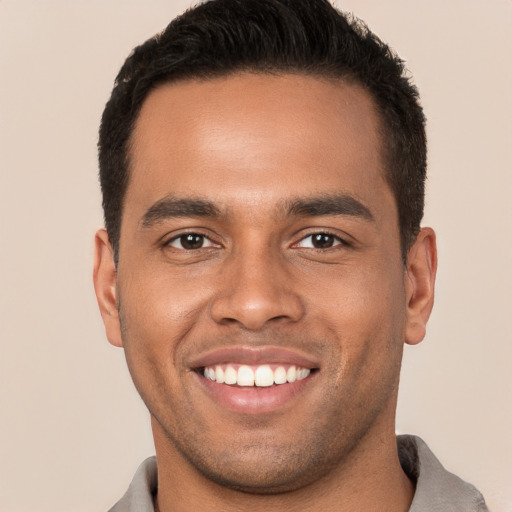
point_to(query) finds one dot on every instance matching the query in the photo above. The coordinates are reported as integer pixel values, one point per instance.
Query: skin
(250, 145)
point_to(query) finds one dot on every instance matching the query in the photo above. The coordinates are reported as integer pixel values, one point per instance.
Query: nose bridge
(254, 288)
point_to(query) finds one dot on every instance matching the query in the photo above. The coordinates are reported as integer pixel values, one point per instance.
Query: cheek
(162, 300)
(362, 295)
(365, 310)
(157, 313)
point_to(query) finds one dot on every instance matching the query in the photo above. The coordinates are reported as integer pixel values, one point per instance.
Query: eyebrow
(328, 205)
(172, 207)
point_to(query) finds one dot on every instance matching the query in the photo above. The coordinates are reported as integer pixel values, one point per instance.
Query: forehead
(243, 136)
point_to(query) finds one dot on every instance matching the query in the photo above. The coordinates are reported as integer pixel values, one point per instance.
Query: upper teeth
(262, 376)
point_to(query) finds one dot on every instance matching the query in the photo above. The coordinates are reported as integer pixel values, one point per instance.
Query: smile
(264, 375)
(255, 380)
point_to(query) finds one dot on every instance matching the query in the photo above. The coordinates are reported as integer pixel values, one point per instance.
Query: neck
(371, 478)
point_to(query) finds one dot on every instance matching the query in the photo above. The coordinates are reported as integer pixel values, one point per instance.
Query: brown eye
(320, 241)
(190, 242)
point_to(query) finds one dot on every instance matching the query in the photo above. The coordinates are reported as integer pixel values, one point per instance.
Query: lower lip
(254, 400)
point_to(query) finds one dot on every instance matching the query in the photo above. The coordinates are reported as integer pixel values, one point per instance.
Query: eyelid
(339, 240)
(167, 241)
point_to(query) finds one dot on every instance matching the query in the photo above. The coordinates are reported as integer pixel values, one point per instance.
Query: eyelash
(176, 238)
(337, 241)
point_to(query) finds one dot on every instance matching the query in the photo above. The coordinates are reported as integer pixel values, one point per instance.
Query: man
(262, 165)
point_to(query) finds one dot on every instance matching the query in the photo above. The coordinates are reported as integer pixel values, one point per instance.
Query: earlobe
(419, 284)
(105, 286)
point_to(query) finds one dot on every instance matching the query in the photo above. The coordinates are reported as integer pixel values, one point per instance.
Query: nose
(256, 290)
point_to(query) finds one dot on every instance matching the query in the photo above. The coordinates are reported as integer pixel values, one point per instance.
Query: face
(263, 302)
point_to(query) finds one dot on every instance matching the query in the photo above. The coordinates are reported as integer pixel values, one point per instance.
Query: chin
(264, 479)
(263, 468)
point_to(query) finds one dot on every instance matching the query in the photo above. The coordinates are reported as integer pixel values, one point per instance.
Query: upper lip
(254, 356)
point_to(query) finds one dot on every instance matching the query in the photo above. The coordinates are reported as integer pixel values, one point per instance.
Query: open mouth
(254, 389)
(255, 380)
(263, 375)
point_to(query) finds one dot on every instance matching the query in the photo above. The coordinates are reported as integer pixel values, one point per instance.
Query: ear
(105, 286)
(419, 284)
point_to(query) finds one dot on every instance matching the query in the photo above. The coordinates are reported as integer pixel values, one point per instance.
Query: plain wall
(72, 429)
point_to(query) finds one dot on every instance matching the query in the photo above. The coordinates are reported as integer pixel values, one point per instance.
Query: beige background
(72, 429)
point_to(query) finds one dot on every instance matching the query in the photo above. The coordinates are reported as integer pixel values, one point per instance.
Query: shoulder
(437, 490)
(139, 496)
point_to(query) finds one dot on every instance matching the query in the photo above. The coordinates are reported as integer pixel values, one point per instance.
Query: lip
(254, 356)
(253, 400)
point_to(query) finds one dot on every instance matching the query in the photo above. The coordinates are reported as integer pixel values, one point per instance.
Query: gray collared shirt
(437, 490)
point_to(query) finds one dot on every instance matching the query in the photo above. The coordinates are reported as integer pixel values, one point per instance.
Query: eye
(190, 242)
(320, 241)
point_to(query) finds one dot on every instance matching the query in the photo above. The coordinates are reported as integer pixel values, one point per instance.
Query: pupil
(322, 241)
(192, 241)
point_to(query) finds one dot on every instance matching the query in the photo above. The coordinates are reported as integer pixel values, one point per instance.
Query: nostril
(253, 303)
